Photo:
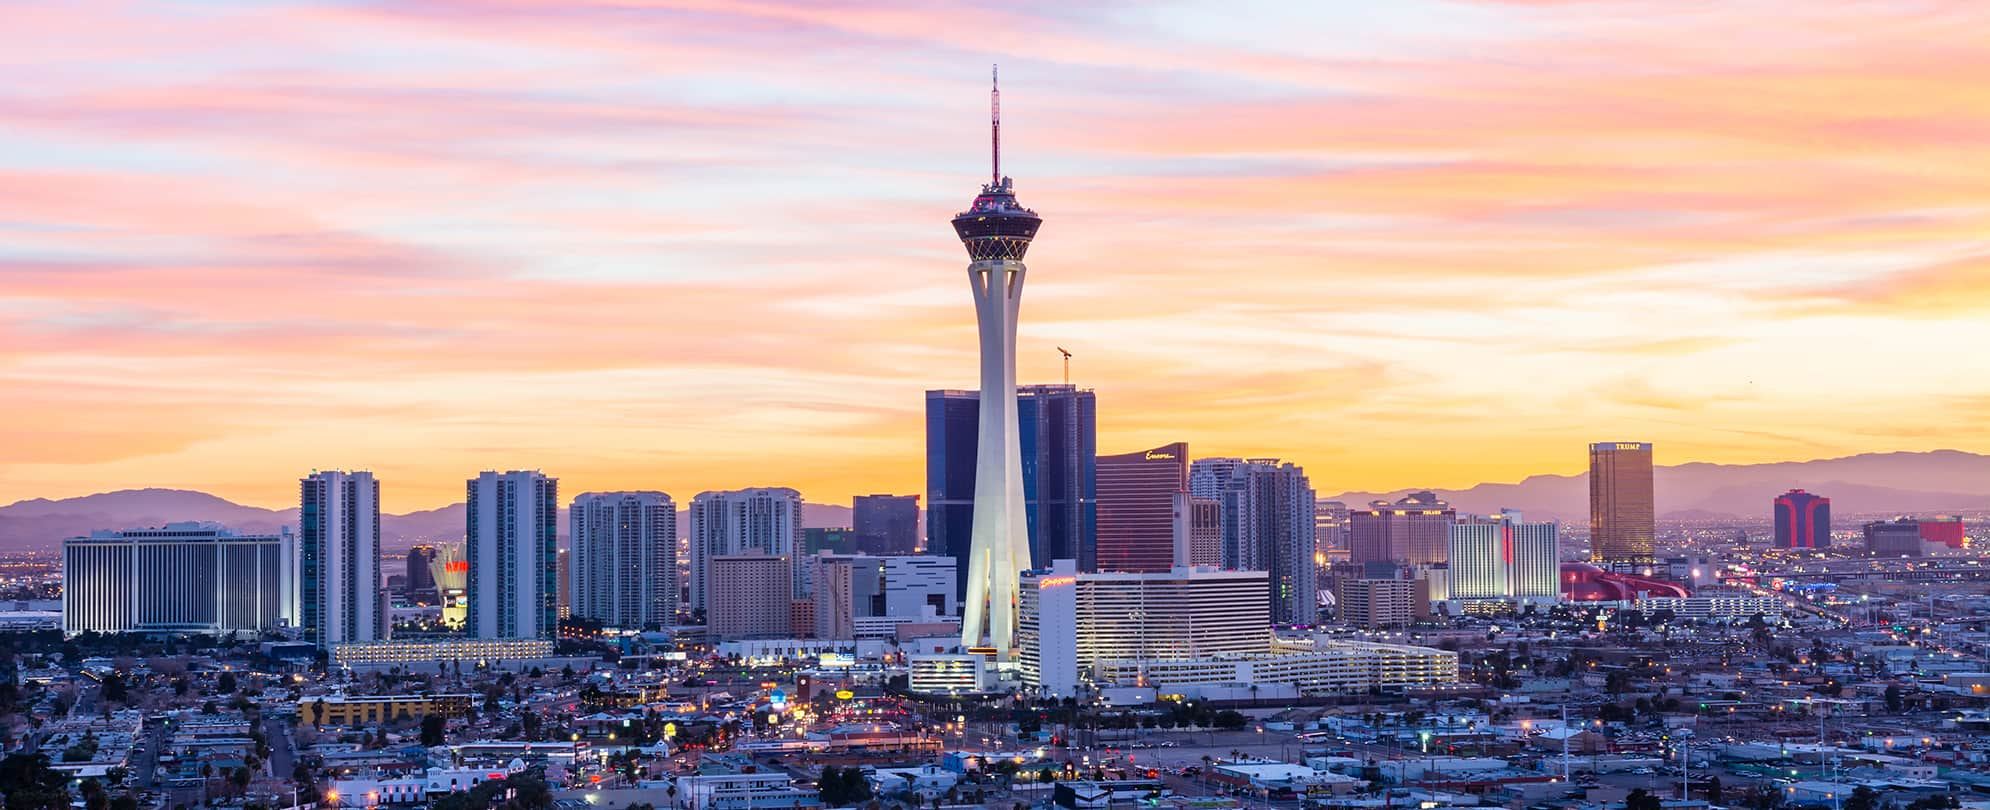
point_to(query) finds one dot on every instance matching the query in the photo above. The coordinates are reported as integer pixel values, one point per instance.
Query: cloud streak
(688, 245)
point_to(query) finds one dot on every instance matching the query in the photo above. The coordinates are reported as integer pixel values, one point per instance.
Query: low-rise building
(947, 674)
(1331, 666)
(742, 791)
(411, 655)
(353, 710)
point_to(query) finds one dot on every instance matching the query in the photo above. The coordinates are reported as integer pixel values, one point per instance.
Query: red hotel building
(1803, 520)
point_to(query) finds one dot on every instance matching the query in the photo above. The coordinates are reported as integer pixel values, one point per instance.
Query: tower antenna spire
(995, 124)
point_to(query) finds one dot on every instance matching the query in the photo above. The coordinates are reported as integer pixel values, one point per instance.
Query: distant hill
(1901, 483)
(41, 523)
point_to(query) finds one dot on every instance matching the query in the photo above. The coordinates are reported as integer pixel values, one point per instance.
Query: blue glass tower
(1059, 437)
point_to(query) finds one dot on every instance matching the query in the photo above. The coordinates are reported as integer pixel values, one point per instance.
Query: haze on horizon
(704, 245)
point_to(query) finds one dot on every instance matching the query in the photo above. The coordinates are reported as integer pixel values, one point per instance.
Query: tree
(1764, 797)
(225, 684)
(30, 784)
(1893, 701)
(94, 797)
(829, 786)
(1641, 799)
(115, 689)
(1862, 798)
(841, 787)
(433, 728)
(1714, 790)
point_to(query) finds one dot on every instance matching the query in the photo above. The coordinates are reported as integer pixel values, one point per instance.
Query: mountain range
(1872, 483)
(41, 523)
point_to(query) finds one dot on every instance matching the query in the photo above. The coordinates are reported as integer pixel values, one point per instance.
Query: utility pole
(1565, 742)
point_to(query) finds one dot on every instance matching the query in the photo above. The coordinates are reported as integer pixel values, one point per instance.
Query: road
(147, 765)
(282, 749)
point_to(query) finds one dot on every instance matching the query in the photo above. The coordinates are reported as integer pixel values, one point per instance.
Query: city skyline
(1645, 250)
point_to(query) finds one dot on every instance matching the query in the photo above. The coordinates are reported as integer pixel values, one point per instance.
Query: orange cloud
(693, 245)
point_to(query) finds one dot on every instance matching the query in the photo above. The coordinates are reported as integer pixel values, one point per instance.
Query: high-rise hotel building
(1198, 532)
(1622, 523)
(510, 531)
(183, 577)
(751, 596)
(1137, 508)
(1268, 524)
(624, 559)
(764, 519)
(1505, 559)
(1071, 621)
(1803, 520)
(1414, 530)
(338, 542)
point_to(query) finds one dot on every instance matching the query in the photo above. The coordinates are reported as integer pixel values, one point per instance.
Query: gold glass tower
(1620, 503)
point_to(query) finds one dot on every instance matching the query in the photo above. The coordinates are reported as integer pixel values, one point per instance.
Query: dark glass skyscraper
(886, 524)
(1058, 426)
(421, 583)
(1803, 520)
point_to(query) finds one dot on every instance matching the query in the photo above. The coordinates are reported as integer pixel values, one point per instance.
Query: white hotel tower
(996, 231)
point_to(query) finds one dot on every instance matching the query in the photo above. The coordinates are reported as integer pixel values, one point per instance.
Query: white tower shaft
(1000, 539)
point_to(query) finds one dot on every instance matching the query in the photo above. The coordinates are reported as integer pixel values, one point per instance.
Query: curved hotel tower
(996, 230)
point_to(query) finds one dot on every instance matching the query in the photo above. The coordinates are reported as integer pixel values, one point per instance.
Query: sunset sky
(704, 245)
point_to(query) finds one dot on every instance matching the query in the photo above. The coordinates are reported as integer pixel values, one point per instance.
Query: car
(1642, 771)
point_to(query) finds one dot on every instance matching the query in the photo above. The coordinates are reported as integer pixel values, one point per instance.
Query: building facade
(338, 565)
(183, 577)
(1803, 520)
(1504, 558)
(438, 654)
(1894, 538)
(421, 581)
(1415, 530)
(1946, 530)
(451, 572)
(1057, 427)
(1267, 515)
(624, 558)
(751, 596)
(858, 595)
(368, 710)
(511, 529)
(885, 524)
(1376, 603)
(763, 519)
(1198, 532)
(1330, 540)
(1324, 667)
(1071, 620)
(1622, 520)
(1137, 495)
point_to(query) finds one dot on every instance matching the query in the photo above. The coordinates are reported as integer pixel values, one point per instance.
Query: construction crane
(1067, 364)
